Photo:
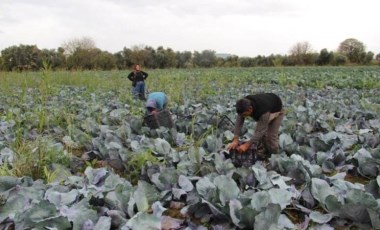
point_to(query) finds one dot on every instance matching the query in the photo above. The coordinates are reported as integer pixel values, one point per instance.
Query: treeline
(84, 55)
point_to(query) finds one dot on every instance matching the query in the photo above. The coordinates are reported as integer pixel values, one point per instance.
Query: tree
(353, 49)
(1, 63)
(288, 61)
(184, 59)
(165, 58)
(56, 59)
(378, 58)
(368, 58)
(264, 61)
(123, 58)
(246, 62)
(82, 59)
(339, 59)
(104, 61)
(302, 53)
(84, 43)
(143, 55)
(22, 57)
(231, 61)
(325, 57)
(205, 59)
(127, 54)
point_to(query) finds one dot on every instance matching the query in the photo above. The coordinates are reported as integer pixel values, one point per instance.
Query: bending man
(266, 109)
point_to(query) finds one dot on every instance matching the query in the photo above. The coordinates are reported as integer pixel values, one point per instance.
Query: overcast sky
(240, 27)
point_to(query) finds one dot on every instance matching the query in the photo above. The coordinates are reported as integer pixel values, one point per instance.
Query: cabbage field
(75, 154)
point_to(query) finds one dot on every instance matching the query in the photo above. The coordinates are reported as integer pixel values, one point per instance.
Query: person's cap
(151, 104)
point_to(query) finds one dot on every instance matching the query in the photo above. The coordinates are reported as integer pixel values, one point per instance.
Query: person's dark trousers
(270, 140)
(140, 89)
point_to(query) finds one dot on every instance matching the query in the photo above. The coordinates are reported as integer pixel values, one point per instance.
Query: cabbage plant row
(96, 166)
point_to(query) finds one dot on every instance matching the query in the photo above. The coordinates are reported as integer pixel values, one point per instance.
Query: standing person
(266, 109)
(157, 101)
(138, 77)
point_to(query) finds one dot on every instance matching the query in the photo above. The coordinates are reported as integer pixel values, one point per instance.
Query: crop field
(75, 154)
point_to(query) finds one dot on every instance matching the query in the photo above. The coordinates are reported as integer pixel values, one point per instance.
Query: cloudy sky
(240, 27)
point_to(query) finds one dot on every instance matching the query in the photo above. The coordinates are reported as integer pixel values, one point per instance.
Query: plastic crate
(247, 158)
(162, 118)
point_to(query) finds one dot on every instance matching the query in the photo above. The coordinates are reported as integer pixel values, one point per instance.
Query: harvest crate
(249, 157)
(162, 118)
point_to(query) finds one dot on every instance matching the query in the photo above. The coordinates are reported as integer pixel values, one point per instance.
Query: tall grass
(179, 82)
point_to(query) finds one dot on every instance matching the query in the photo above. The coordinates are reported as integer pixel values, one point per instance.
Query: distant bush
(340, 59)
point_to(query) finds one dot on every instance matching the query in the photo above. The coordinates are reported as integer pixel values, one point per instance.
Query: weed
(6, 170)
(31, 157)
(137, 162)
